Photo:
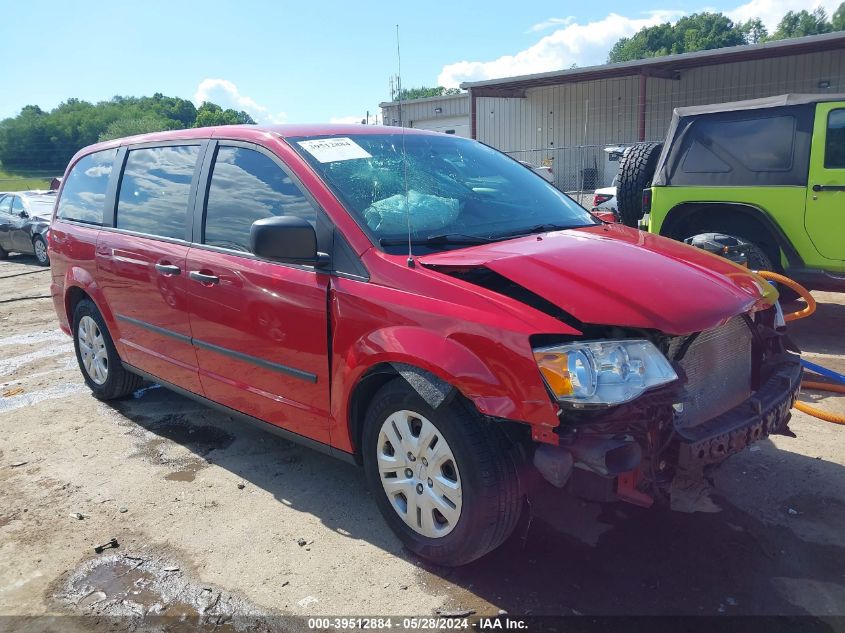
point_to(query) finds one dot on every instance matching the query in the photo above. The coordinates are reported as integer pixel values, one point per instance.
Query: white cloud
(771, 11)
(588, 44)
(225, 94)
(550, 22)
(582, 44)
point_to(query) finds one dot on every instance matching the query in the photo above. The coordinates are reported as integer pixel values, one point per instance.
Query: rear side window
(6, 205)
(84, 191)
(762, 144)
(834, 150)
(246, 186)
(155, 188)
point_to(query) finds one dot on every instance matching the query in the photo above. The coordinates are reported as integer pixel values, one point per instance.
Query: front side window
(446, 190)
(84, 191)
(246, 186)
(834, 149)
(17, 206)
(155, 188)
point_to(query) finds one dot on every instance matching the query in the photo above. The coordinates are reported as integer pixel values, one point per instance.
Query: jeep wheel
(97, 357)
(636, 171)
(444, 479)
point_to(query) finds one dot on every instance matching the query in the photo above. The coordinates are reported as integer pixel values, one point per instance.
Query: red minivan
(420, 304)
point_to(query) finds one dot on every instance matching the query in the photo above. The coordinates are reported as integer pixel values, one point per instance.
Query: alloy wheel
(92, 348)
(40, 251)
(419, 474)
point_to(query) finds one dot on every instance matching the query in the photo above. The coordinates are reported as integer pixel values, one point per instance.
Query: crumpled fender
(499, 387)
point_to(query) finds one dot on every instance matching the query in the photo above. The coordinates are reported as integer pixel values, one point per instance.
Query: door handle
(828, 187)
(203, 278)
(168, 269)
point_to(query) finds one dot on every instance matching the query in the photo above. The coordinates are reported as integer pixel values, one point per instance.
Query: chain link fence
(577, 170)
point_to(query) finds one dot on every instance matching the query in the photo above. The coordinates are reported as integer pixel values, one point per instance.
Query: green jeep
(768, 172)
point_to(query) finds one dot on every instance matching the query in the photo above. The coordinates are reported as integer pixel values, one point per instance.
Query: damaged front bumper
(766, 413)
(634, 452)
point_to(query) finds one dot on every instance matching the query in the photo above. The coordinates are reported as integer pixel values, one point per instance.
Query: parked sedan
(25, 224)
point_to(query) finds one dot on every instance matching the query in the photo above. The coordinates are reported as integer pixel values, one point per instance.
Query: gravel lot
(213, 516)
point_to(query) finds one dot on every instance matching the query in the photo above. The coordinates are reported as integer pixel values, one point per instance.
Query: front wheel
(445, 479)
(39, 247)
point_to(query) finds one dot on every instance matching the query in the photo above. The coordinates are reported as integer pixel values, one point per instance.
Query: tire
(39, 248)
(636, 171)
(4, 254)
(757, 258)
(482, 475)
(90, 333)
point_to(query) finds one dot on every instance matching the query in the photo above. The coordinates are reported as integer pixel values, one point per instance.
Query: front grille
(718, 369)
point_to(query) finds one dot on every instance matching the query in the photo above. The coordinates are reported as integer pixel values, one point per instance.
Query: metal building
(449, 115)
(566, 119)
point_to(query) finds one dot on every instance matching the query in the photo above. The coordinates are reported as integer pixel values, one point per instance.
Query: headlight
(603, 372)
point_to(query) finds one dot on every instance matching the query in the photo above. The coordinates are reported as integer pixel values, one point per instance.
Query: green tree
(212, 114)
(696, 32)
(754, 31)
(801, 23)
(133, 126)
(422, 92)
(40, 140)
(837, 22)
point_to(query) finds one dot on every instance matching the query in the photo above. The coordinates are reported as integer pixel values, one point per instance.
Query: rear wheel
(636, 171)
(39, 247)
(444, 479)
(3, 253)
(97, 357)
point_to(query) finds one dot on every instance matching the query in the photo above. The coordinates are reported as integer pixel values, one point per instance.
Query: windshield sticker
(330, 150)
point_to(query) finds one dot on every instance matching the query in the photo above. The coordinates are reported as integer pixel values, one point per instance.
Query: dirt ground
(214, 516)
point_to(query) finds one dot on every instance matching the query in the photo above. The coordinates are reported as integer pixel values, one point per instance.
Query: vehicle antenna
(404, 154)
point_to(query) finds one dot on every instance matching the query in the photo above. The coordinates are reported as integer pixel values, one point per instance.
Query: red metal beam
(641, 105)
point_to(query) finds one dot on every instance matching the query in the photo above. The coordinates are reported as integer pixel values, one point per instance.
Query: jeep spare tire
(636, 170)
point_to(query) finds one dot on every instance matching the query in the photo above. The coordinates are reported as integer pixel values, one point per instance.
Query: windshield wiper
(440, 238)
(539, 228)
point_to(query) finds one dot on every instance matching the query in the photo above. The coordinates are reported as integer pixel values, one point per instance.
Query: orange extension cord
(802, 314)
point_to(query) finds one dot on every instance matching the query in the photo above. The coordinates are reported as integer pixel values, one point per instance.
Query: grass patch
(21, 181)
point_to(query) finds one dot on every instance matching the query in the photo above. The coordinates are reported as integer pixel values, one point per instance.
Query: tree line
(706, 31)
(41, 140)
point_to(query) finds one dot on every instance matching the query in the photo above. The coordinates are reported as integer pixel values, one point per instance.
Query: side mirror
(288, 239)
(23, 214)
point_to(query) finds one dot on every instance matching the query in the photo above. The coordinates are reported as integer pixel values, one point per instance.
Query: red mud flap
(765, 413)
(626, 489)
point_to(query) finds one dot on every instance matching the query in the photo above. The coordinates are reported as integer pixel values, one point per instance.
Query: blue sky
(309, 61)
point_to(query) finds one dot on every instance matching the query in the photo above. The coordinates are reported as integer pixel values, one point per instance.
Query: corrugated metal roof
(755, 104)
(388, 104)
(668, 63)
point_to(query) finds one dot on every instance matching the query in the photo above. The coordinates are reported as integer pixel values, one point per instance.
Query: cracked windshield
(457, 193)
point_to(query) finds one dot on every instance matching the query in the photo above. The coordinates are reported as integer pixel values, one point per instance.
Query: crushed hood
(615, 275)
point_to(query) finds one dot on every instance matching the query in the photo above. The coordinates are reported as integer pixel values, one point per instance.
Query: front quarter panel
(485, 355)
